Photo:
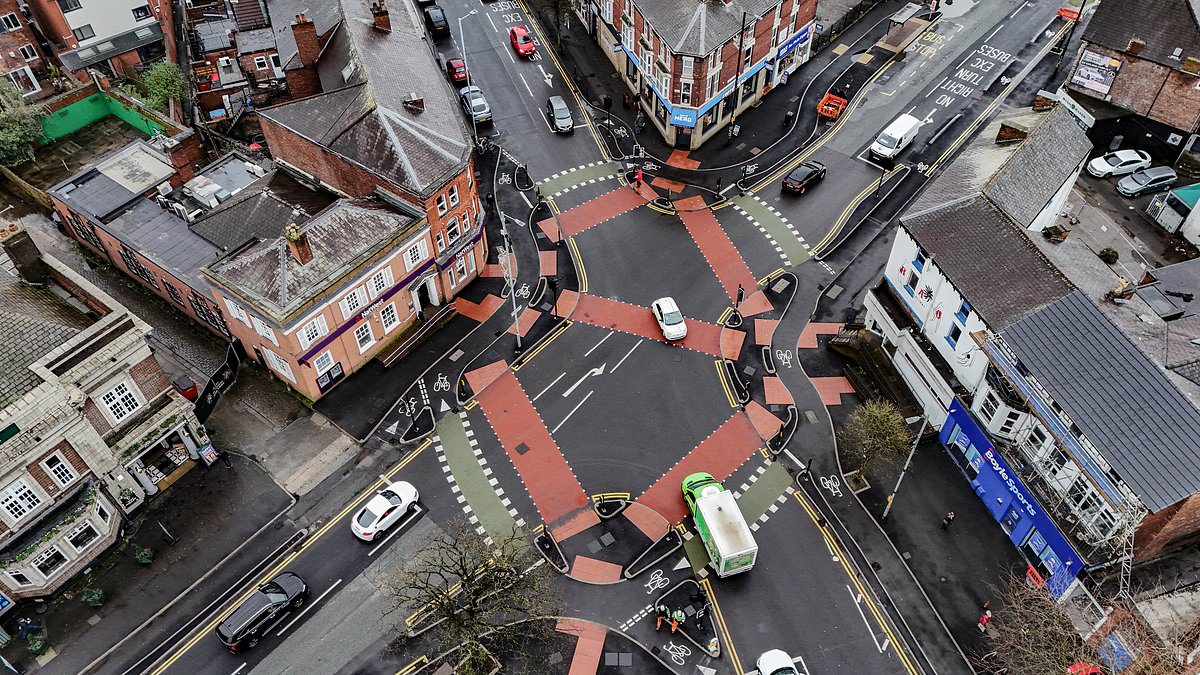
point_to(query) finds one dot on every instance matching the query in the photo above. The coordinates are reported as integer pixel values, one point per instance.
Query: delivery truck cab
(896, 137)
(720, 524)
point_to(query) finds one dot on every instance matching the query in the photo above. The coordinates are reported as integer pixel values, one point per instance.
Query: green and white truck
(723, 529)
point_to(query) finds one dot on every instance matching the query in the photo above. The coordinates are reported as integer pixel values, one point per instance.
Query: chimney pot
(297, 242)
(24, 253)
(379, 13)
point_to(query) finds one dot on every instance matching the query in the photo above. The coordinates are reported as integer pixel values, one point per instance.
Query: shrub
(1109, 255)
(37, 644)
(143, 554)
(92, 596)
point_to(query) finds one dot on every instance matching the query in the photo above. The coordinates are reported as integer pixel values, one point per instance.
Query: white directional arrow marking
(548, 77)
(594, 371)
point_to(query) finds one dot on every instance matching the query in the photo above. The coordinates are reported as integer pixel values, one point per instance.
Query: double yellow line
(719, 622)
(207, 628)
(842, 559)
(846, 212)
(729, 396)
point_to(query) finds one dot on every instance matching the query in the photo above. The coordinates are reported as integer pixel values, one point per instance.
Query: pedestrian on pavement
(626, 101)
(638, 178)
(660, 615)
(984, 620)
(947, 520)
(677, 617)
(985, 606)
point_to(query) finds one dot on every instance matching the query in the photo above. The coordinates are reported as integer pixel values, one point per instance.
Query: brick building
(694, 66)
(89, 426)
(1138, 71)
(20, 56)
(115, 37)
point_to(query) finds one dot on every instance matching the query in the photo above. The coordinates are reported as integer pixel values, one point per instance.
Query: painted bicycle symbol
(751, 168)
(679, 653)
(620, 132)
(657, 581)
(833, 484)
(649, 166)
(523, 291)
(505, 178)
(409, 408)
(784, 356)
(442, 383)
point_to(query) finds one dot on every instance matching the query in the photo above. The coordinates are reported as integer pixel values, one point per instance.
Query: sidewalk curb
(162, 610)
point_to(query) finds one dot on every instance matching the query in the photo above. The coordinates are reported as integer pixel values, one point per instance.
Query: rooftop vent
(414, 101)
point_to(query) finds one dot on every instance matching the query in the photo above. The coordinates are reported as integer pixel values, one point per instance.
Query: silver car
(1147, 180)
(559, 115)
(474, 104)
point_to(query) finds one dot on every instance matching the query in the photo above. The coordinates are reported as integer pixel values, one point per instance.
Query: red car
(456, 70)
(521, 41)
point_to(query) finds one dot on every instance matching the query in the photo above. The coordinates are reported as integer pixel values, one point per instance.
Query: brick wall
(315, 160)
(1178, 102)
(150, 378)
(69, 455)
(92, 413)
(1171, 527)
(13, 40)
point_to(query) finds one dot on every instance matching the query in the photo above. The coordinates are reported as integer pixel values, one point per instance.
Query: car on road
(1118, 163)
(776, 662)
(559, 115)
(383, 510)
(522, 42)
(456, 70)
(1147, 180)
(803, 177)
(260, 612)
(669, 319)
(474, 104)
(435, 21)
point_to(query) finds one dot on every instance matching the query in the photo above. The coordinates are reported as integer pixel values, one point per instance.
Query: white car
(670, 320)
(776, 662)
(1118, 163)
(383, 510)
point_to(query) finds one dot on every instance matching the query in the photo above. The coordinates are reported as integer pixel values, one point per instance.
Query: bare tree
(473, 599)
(875, 433)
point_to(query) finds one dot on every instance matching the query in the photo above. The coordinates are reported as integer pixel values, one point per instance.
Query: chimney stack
(24, 253)
(297, 241)
(307, 44)
(379, 12)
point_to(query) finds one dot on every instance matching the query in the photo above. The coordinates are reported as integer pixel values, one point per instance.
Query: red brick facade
(69, 455)
(96, 418)
(150, 378)
(13, 41)
(1152, 90)
(1173, 526)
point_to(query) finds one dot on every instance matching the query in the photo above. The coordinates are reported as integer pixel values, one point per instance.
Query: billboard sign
(1096, 72)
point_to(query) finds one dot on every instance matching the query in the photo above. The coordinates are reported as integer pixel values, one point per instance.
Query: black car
(435, 21)
(804, 176)
(265, 608)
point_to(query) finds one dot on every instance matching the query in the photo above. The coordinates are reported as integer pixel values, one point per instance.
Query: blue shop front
(1011, 504)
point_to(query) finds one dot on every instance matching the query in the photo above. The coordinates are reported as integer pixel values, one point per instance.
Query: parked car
(669, 319)
(383, 510)
(435, 21)
(776, 662)
(1118, 163)
(260, 612)
(804, 176)
(1147, 180)
(522, 42)
(456, 70)
(474, 104)
(559, 115)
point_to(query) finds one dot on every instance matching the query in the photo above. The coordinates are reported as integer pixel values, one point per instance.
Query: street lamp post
(510, 279)
(912, 451)
(462, 41)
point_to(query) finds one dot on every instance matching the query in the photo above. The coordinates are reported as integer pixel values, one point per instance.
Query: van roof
(902, 122)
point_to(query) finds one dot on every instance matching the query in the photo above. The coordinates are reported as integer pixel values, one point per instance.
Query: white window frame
(46, 554)
(102, 513)
(441, 242)
(357, 297)
(442, 207)
(80, 528)
(453, 224)
(358, 338)
(260, 63)
(686, 66)
(279, 365)
(389, 326)
(10, 22)
(380, 282)
(17, 582)
(147, 13)
(460, 266)
(453, 277)
(237, 311)
(470, 262)
(28, 52)
(325, 356)
(453, 194)
(415, 255)
(27, 504)
(264, 330)
(69, 472)
(121, 394)
(312, 331)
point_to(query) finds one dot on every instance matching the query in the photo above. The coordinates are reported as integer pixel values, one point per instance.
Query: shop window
(364, 336)
(460, 266)
(380, 282)
(388, 317)
(59, 470)
(323, 362)
(312, 331)
(19, 578)
(82, 537)
(18, 499)
(50, 561)
(120, 401)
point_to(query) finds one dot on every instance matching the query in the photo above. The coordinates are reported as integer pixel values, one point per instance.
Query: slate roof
(214, 35)
(988, 258)
(251, 14)
(1163, 25)
(1047, 158)
(698, 26)
(323, 13)
(366, 121)
(341, 237)
(35, 322)
(117, 44)
(261, 211)
(1142, 425)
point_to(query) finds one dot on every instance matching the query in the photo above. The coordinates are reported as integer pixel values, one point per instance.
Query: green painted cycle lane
(472, 477)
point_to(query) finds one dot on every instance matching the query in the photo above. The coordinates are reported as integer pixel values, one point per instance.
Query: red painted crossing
(593, 212)
(636, 320)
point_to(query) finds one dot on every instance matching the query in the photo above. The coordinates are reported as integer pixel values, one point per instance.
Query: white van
(895, 137)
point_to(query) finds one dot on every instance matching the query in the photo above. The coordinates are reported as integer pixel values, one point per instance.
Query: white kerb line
(635, 346)
(560, 376)
(310, 606)
(589, 352)
(241, 668)
(585, 398)
(396, 529)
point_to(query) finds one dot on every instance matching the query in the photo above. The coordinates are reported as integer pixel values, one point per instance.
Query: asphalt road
(622, 406)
